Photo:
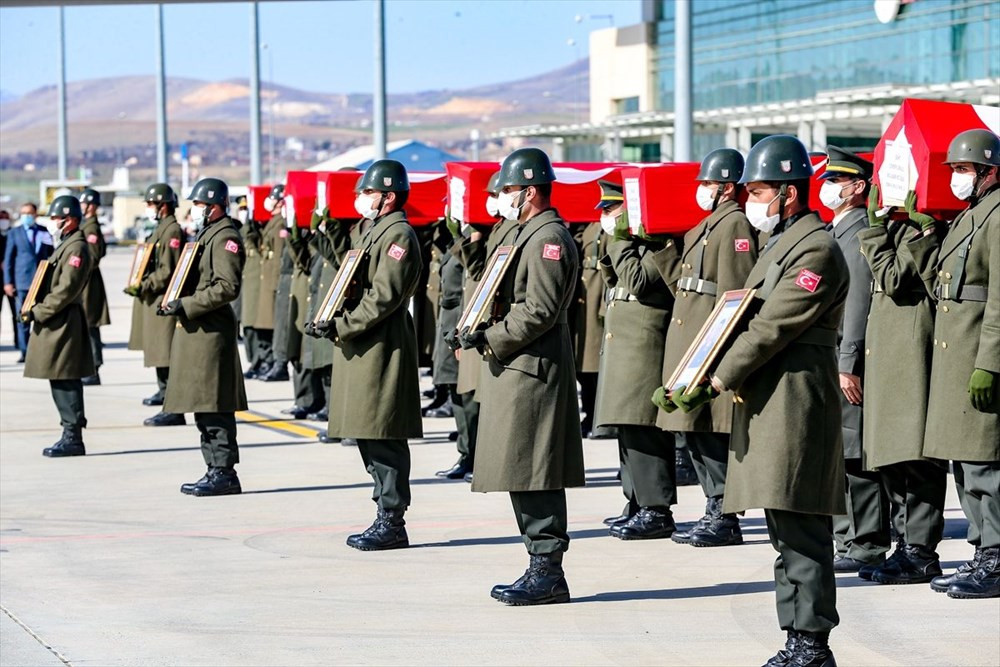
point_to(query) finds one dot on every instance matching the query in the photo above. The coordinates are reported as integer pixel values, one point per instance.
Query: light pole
(270, 114)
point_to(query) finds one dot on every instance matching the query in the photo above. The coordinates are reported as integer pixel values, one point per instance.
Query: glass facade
(760, 51)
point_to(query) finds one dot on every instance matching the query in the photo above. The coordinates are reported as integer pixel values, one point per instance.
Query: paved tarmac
(104, 562)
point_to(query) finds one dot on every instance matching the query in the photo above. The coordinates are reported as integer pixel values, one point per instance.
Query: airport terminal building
(828, 72)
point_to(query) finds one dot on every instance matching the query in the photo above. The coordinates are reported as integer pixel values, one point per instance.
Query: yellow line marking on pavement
(257, 419)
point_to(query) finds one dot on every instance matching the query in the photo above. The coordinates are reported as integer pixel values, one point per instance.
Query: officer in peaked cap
(95, 299)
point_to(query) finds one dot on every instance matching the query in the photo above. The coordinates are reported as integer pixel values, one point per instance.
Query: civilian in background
(27, 244)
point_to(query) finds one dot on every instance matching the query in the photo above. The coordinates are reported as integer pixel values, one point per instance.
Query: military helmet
(385, 176)
(491, 187)
(210, 191)
(90, 196)
(277, 193)
(779, 157)
(65, 206)
(723, 165)
(975, 146)
(526, 166)
(160, 193)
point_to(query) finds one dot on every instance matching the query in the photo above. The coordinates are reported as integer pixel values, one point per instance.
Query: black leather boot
(278, 372)
(918, 566)
(651, 523)
(219, 482)
(812, 649)
(70, 444)
(890, 565)
(500, 588)
(166, 419)
(91, 380)
(984, 581)
(154, 400)
(457, 471)
(545, 583)
(440, 397)
(188, 487)
(628, 512)
(721, 530)
(320, 415)
(941, 584)
(387, 532)
(684, 536)
(783, 658)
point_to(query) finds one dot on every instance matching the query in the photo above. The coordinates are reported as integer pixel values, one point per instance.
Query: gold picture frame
(340, 289)
(713, 336)
(478, 309)
(140, 261)
(176, 285)
(37, 282)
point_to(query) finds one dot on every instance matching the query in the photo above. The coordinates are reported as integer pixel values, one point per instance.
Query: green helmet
(525, 166)
(975, 146)
(65, 206)
(210, 191)
(723, 165)
(160, 193)
(90, 196)
(491, 187)
(385, 176)
(277, 193)
(779, 157)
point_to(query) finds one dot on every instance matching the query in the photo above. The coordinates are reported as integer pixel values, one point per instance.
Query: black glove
(472, 339)
(27, 317)
(172, 308)
(451, 339)
(326, 329)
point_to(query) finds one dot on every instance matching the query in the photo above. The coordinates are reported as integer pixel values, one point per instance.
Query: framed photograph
(188, 256)
(714, 335)
(479, 308)
(37, 283)
(340, 289)
(140, 260)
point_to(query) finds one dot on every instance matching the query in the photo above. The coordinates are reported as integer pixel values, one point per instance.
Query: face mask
(198, 216)
(829, 194)
(758, 217)
(4, 224)
(492, 207)
(27, 219)
(506, 206)
(151, 214)
(242, 215)
(705, 196)
(608, 223)
(365, 206)
(269, 204)
(962, 185)
(57, 230)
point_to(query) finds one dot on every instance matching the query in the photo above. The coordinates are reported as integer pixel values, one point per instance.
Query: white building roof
(358, 156)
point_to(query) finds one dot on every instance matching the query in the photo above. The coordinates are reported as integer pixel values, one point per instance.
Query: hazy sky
(320, 45)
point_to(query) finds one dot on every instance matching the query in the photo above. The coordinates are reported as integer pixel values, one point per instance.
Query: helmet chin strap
(718, 195)
(782, 195)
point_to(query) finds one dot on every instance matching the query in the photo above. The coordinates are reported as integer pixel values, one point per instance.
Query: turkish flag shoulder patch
(74, 261)
(742, 245)
(232, 246)
(552, 251)
(808, 280)
(92, 238)
(397, 252)
(175, 243)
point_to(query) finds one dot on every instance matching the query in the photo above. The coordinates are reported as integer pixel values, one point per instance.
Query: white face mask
(758, 217)
(830, 194)
(506, 207)
(963, 185)
(242, 215)
(608, 223)
(705, 196)
(365, 206)
(151, 213)
(4, 224)
(55, 229)
(269, 204)
(492, 207)
(198, 216)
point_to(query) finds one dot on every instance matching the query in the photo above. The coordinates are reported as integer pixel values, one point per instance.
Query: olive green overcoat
(375, 391)
(298, 303)
(59, 345)
(158, 332)
(272, 244)
(452, 279)
(529, 425)
(329, 243)
(95, 299)
(205, 372)
(590, 310)
(502, 233)
(135, 329)
(472, 255)
(250, 292)
(786, 449)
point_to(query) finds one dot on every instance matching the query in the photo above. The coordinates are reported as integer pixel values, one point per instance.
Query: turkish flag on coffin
(424, 206)
(300, 196)
(256, 194)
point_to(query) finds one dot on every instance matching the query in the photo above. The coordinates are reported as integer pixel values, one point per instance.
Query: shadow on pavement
(165, 450)
(702, 591)
(337, 487)
(510, 539)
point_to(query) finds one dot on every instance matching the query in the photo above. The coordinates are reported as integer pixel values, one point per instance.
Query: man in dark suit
(7, 298)
(27, 245)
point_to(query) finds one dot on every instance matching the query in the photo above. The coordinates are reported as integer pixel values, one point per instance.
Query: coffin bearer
(95, 300)
(256, 342)
(786, 449)
(59, 346)
(590, 311)
(631, 356)
(205, 375)
(272, 244)
(861, 535)
(718, 255)
(158, 332)
(530, 444)
(375, 396)
(963, 415)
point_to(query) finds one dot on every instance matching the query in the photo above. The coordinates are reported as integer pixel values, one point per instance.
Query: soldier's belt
(818, 336)
(698, 285)
(591, 263)
(966, 293)
(561, 318)
(619, 294)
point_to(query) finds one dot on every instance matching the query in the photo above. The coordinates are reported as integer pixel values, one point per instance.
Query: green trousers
(466, 409)
(97, 347)
(541, 518)
(162, 375)
(388, 462)
(68, 397)
(863, 533)
(649, 476)
(710, 458)
(918, 487)
(980, 497)
(804, 584)
(282, 321)
(308, 387)
(218, 438)
(257, 343)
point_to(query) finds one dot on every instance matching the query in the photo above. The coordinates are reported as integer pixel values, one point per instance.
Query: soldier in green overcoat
(95, 299)
(205, 373)
(963, 415)
(592, 242)
(255, 342)
(310, 396)
(375, 395)
(272, 243)
(718, 255)
(631, 355)
(59, 346)
(529, 432)
(786, 450)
